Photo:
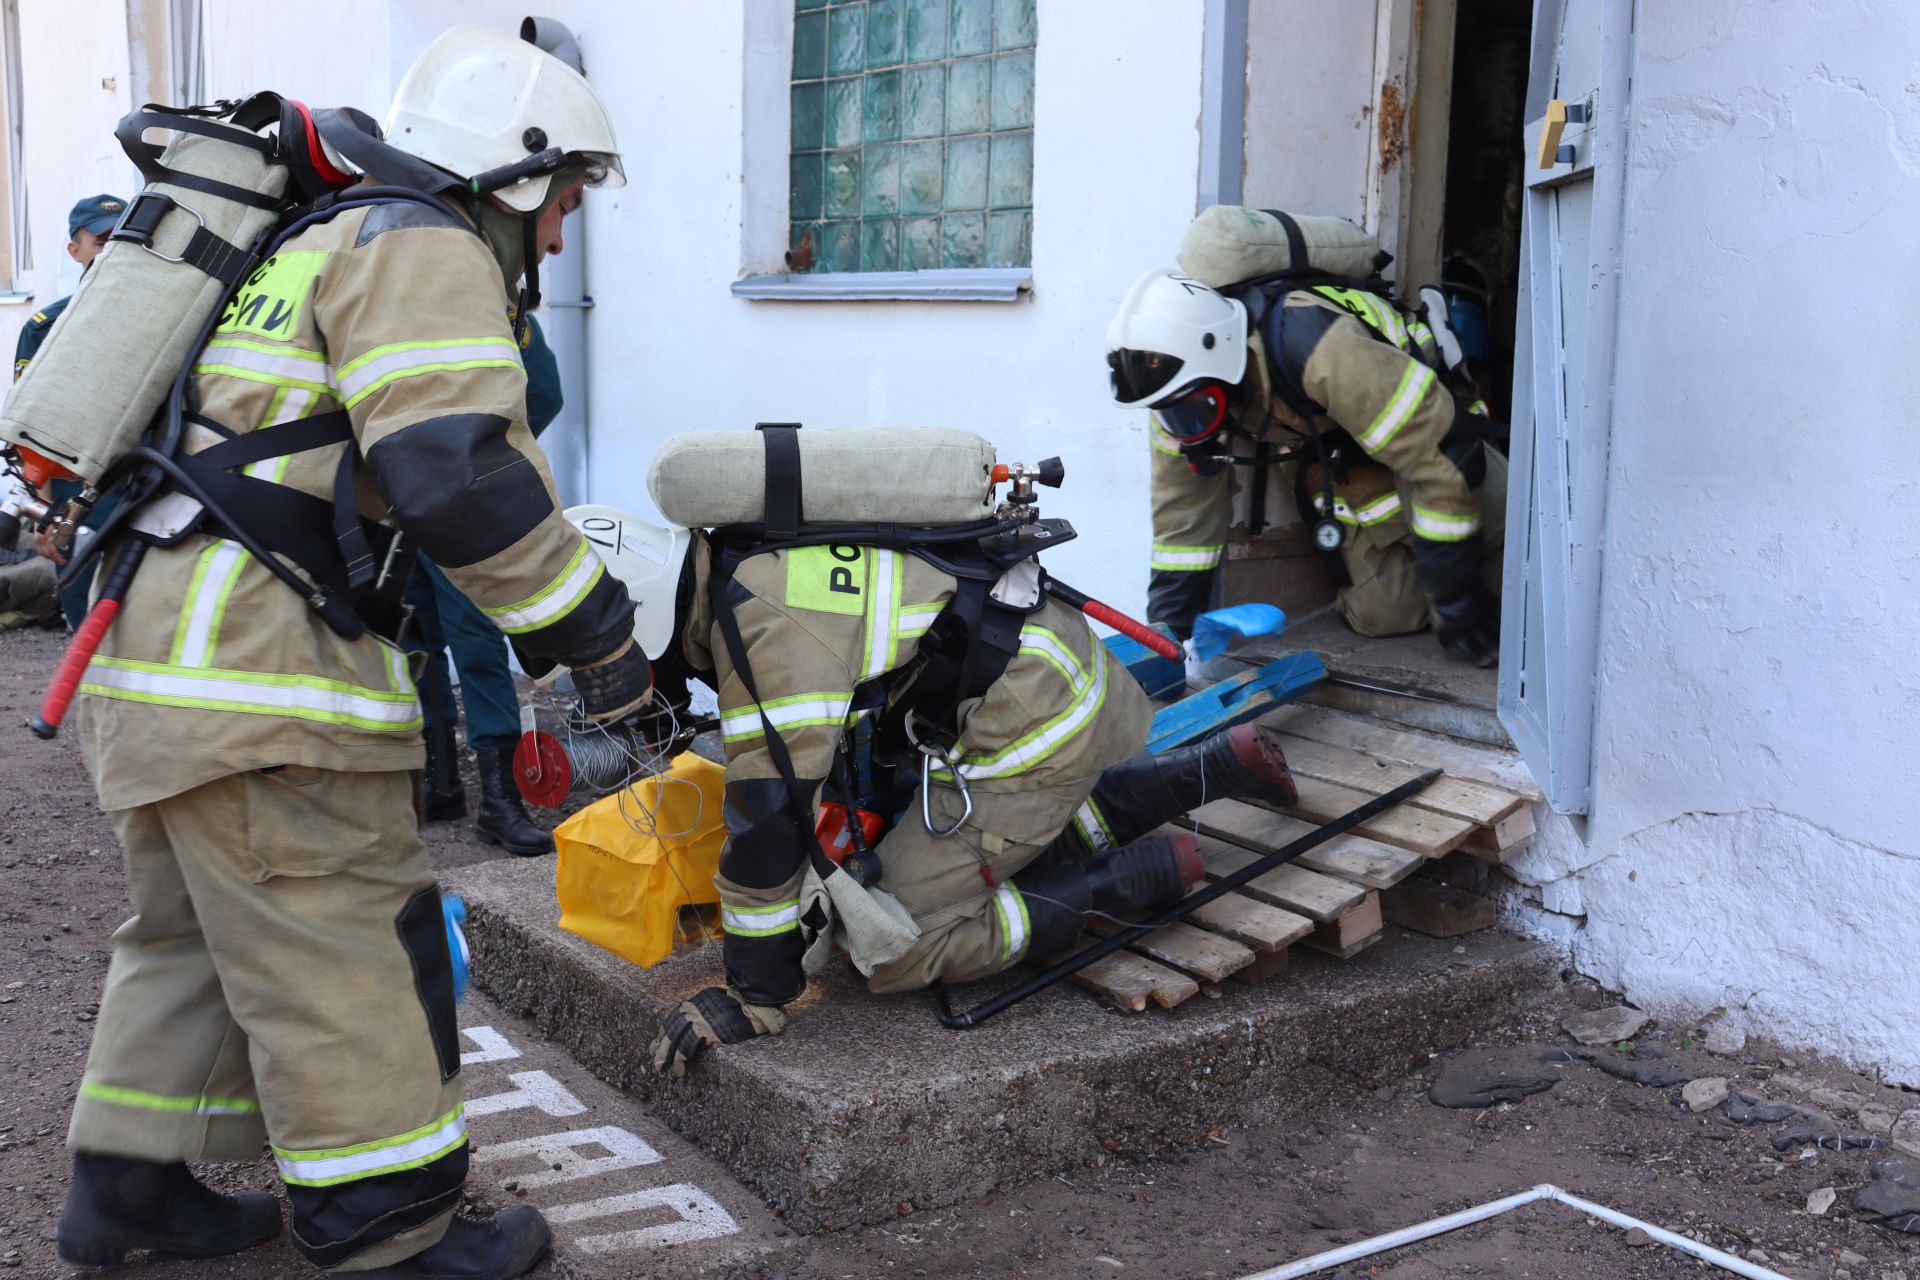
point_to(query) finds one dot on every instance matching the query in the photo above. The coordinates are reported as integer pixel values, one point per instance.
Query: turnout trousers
(285, 977)
(972, 928)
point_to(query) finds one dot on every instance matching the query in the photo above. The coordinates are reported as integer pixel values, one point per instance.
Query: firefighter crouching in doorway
(1042, 825)
(286, 974)
(1392, 466)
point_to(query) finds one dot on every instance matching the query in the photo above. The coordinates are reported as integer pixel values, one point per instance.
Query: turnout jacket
(1373, 375)
(396, 314)
(829, 633)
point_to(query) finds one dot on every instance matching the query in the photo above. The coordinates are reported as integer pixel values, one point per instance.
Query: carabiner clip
(928, 754)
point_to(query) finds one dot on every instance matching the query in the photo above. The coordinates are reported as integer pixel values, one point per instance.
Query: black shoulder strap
(799, 803)
(781, 441)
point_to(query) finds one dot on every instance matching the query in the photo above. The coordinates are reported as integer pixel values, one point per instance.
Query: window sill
(15, 297)
(995, 284)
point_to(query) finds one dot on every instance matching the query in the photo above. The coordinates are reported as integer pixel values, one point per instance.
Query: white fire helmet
(476, 100)
(648, 558)
(1172, 336)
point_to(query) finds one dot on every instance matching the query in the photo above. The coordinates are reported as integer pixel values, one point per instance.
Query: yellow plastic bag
(645, 896)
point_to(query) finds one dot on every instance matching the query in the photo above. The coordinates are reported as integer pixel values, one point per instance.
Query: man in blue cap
(88, 223)
(87, 226)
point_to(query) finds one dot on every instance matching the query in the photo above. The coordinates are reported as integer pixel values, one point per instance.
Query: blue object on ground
(1234, 701)
(454, 909)
(1215, 630)
(1157, 675)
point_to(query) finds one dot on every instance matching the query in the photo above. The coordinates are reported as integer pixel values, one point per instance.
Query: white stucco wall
(1753, 842)
(74, 77)
(1115, 168)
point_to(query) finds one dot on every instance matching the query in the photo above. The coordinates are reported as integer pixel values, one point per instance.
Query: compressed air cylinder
(1228, 244)
(850, 475)
(114, 352)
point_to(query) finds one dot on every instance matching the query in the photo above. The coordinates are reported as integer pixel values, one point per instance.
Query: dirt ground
(1245, 1201)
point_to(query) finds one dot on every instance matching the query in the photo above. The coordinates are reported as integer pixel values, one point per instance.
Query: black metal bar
(1186, 906)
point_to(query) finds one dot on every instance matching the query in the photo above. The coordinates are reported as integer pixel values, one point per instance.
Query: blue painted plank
(1234, 701)
(1157, 675)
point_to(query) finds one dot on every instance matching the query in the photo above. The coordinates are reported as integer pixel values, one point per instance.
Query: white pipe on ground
(1480, 1213)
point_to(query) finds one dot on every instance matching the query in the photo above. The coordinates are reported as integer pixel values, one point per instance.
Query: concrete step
(867, 1101)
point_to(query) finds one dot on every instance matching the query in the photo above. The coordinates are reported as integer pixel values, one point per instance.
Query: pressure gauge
(1327, 535)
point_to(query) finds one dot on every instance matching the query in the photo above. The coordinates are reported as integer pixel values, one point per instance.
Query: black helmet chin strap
(529, 276)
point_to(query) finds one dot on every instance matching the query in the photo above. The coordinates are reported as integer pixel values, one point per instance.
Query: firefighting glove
(1468, 625)
(716, 1016)
(614, 686)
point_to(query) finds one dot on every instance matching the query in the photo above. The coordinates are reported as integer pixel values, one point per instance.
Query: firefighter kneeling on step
(1391, 465)
(286, 974)
(1031, 820)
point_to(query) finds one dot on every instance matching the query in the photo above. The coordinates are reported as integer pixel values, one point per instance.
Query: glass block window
(912, 141)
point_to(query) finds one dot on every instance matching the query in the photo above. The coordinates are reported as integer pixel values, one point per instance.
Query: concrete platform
(867, 1101)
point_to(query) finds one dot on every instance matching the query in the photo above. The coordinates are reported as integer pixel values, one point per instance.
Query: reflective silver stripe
(1172, 557)
(915, 619)
(208, 602)
(1382, 508)
(1092, 830)
(1441, 526)
(880, 623)
(757, 922)
(271, 363)
(1013, 923)
(1036, 747)
(405, 359)
(787, 713)
(555, 600)
(215, 690)
(311, 1168)
(1400, 410)
(294, 404)
(1052, 647)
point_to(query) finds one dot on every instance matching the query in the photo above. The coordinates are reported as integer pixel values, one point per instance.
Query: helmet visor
(1196, 415)
(1139, 375)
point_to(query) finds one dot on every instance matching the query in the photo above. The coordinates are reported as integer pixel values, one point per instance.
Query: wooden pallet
(1337, 898)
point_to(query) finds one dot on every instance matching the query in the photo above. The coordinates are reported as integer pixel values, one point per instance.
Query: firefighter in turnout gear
(1389, 465)
(1026, 822)
(286, 975)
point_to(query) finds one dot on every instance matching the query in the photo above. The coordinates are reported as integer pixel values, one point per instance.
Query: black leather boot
(510, 1243)
(1241, 763)
(1145, 874)
(116, 1204)
(503, 818)
(442, 796)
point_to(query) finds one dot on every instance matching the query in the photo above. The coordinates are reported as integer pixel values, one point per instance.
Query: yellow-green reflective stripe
(1093, 825)
(1177, 559)
(214, 574)
(1050, 737)
(1014, 924)
(914, 619)
(362, 376)
(761, 922)
(885, 581)
(555, 600)
(1158, 436)
(1444, 526)
(410, 1150)
(1400, 409)
(1043, 643)
(198, 1105)
(796, 711)
(263, 693)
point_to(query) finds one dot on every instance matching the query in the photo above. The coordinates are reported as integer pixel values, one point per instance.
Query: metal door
(1563, 372)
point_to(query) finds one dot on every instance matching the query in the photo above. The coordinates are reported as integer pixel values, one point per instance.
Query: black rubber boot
(510, 1243)
(1241, 763)
(116, 1204)
(1145, 874)
(442, 796)
(503, 818)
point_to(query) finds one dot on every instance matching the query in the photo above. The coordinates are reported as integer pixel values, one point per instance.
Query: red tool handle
(86, 641)
(1119, 621)
(66, 680)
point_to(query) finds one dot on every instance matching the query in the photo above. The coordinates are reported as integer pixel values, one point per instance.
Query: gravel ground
(1245, 1201)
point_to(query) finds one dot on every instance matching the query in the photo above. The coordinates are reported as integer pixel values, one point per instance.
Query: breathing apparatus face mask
(1196, 414)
